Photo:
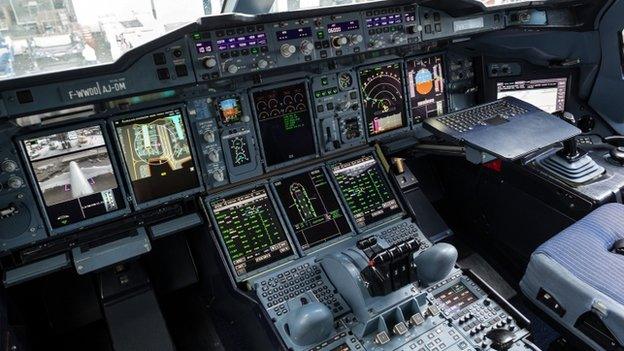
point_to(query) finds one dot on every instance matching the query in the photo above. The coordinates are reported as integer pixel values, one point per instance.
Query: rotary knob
(245, 118)
(343, 106)
(398, 38)
(356, 39)
(8, 166)
(213, 156)
(339, 41)
(262, 64)
(287, 50)
(232, 69)
(375, 43)
(209, 136)
(15, 182)
(218, 176)
(306, 47)
(210, 62)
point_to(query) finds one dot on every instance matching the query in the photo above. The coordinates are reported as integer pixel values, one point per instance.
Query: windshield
(40, 36)
(52, 35)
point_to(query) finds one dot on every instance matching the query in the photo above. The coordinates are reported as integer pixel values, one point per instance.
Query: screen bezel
(128, 179)
(37, 190)
(256, 122)
(444, 56)
(291, 229)
(408, 114)
(217, 231)
(375, 225)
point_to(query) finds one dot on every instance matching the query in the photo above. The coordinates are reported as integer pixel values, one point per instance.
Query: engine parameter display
(456, 297)
(157, 155)
(251, 231)
(426, 87)
(366, 191)
(312, 208)
(74, 174)
(285, 123)
(382, 97)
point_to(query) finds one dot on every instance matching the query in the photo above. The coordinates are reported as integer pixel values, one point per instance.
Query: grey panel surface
(36, 269)
(175, 225)
(110, 253)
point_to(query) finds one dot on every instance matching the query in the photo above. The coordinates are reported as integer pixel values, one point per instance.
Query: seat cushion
(584, 249)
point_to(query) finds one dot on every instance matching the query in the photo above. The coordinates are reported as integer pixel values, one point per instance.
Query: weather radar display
(382, 97)
(426, 87)
(157, 155)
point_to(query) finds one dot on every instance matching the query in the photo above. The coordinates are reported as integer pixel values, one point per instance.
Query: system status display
(312, 208)
(157, 155)
(251, 231)
(285, 123)
(365, 189)
(382, 97)
(426, 87)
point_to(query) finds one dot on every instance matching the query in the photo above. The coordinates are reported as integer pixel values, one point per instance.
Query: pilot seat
(577, 278)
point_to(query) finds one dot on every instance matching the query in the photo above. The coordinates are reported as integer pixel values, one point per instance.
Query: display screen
(297, 33)
(285, 123)
(383, 20)
(426, 87)
(241, 42)
(382, 96)
(238, 146)
(230, 110)
(312, 208)
(157, 155)
(366, 191)
(251, 231)
(456, 297)
(203, 47)
(343, 26)
(74, 174)
(547, 94)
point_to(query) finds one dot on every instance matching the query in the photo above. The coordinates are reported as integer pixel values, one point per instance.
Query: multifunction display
(425, 78)
(250, 230)
(312, 208)
(365, 189)
(74, 174)
(285, 123)
(157, 155)
(382, 98)
(547, 94)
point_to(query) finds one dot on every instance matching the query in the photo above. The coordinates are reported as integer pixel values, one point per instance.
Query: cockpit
(326, 175)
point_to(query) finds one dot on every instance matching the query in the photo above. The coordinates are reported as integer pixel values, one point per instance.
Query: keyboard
(401, 232)
(497, 112)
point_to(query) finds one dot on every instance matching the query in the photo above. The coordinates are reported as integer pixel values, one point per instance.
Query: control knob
(375, 43)
(8, 166)
(262, 64)
(210, 62)
(232, 69)
(218, 176)
(245, 118)
(343, 106)
(398, 38)
(15, 182)
(339, 41)
(306, 47)
(287, 50)
(356, 39)
(209, 136)
(213, 156)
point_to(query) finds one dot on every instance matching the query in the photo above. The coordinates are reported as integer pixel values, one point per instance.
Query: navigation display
(312, 208)
(366, 191)
(456, 297)
(548, 95)
(285, 123)
(157, 155)
(74, 175)
(251, 231)
(425, 78)
(382, 96)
